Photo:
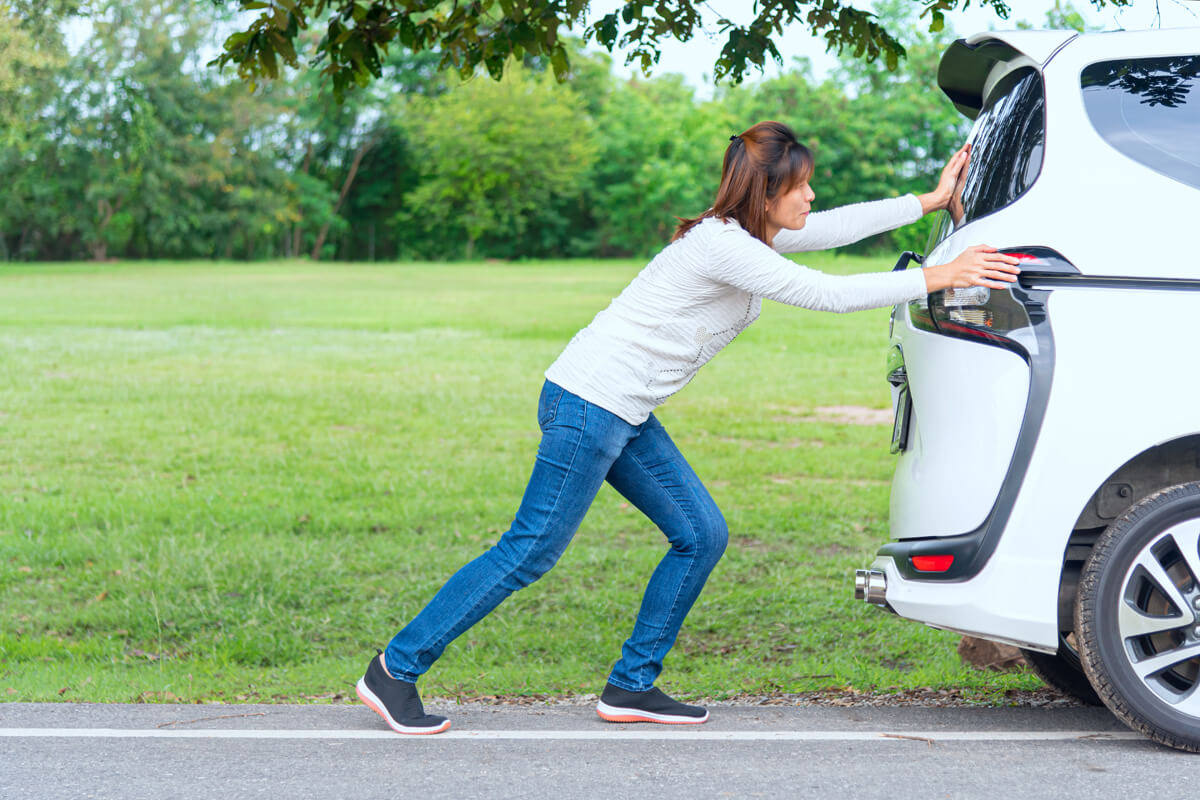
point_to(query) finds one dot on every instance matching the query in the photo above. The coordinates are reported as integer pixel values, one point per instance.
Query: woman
(595, 410)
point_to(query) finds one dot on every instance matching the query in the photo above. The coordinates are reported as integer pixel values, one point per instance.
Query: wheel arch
(1155, 468)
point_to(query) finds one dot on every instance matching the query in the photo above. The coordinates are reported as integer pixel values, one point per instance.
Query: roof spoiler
(965, 66)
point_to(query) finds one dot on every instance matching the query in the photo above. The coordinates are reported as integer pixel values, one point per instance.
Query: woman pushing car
(596, 409)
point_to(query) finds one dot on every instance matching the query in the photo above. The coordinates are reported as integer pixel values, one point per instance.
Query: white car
(1047, 488)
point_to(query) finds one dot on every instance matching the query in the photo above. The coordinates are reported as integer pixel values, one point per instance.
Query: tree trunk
(99, 247)
(308, 156)
(354, 164)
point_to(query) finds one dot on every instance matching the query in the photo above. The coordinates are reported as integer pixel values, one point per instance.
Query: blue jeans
(582, 446)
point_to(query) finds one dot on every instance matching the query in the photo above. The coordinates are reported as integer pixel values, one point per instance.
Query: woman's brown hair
(760, 164)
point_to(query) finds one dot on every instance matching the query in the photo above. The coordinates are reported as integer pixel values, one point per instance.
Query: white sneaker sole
(372, 702)
(614, 714)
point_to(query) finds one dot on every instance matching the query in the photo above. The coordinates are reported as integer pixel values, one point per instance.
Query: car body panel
(1121, 381)
(1014, 598)
(949, 476)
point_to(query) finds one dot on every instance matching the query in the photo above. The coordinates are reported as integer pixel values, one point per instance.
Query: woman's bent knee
(710, 536)
(716, 538)
(524, 566)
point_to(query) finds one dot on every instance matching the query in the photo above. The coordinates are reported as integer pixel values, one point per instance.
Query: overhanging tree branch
(487, 33)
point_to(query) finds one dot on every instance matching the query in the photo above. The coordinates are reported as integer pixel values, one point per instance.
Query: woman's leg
(654, 476)
(579, 443)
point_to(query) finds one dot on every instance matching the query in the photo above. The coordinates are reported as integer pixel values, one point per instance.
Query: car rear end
(1004, 424)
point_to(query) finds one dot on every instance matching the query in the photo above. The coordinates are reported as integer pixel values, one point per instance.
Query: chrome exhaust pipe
(870, 585)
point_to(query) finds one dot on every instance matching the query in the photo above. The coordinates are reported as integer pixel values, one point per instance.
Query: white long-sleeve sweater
(704, 289)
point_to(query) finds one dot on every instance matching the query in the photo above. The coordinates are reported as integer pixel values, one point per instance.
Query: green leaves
(492, 156)
(558, 59)
(486, 34)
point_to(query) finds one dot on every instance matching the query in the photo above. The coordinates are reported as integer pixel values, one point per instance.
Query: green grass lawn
(233, 482)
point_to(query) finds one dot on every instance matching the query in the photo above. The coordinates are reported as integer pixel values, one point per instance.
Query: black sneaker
(618, 705)
(396, 701)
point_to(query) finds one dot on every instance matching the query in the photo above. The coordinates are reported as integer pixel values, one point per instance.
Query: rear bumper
(989, 606)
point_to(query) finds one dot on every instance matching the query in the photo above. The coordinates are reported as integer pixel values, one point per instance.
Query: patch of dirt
(787, 444)
(985, 654)
(854, 415)
(843, 415)
(834, 549)
(786, 479)
(756, 545)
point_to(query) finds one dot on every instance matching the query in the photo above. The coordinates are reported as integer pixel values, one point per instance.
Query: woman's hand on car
(980, 265)
(950, 180)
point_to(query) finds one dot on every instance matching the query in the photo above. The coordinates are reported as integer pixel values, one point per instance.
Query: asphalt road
(286, 752)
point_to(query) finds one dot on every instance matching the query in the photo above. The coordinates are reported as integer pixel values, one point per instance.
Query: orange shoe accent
(634, 718)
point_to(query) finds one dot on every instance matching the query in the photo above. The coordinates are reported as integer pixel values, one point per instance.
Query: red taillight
(993, 316)
(932, 563)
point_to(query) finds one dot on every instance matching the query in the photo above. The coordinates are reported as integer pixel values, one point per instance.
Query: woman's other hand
(950, 179)
(980, 265)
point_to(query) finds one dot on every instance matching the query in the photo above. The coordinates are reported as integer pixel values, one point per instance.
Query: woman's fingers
(995, 274)
(982, 265)
(979, 265)
(955, 164)
(990, 254)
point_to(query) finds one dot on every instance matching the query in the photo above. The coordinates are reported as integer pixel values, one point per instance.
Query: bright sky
(694, 59)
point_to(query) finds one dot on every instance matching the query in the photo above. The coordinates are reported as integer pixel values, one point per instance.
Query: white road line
(550, 735)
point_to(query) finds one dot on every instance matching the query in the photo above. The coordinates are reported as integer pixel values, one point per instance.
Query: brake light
(999, 317)
(932, 563)
(991, 316)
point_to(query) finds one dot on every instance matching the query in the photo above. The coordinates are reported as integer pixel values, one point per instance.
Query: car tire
(1063, 671)
(1137, 619)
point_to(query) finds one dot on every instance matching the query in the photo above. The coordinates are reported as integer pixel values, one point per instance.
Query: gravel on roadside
(845, 698)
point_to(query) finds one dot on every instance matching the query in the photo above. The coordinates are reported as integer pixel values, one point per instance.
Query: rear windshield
(1149, 109)
(1007, 142)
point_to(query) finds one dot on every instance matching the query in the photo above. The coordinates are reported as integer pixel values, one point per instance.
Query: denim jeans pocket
(548, 403)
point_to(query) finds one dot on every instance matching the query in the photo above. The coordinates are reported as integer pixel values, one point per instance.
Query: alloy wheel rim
(1158, 617)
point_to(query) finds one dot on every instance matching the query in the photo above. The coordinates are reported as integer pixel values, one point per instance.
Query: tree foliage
(491, 155)
(488, 34)
(133, 148)
(142, 152)
(29, 54)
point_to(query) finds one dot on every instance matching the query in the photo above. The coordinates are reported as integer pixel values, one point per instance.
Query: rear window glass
(1007, 143)
(1149, 109)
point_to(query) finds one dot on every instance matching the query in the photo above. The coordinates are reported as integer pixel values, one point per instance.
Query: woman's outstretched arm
(738, 259)
(849, 224)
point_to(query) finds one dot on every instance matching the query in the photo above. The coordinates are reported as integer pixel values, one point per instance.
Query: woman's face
(790, 209)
